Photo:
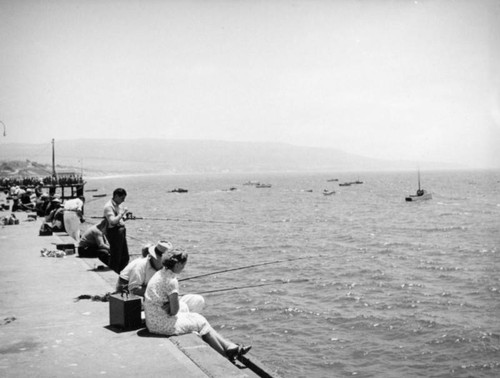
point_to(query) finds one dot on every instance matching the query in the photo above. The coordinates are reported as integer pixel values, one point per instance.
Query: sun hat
(160, 248)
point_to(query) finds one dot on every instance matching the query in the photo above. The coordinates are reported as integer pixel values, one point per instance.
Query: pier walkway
(44, 332)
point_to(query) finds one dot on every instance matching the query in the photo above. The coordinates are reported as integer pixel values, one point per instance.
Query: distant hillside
(24, 168)
(97, 157)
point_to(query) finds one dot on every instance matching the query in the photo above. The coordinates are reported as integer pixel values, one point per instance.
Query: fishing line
(246, 267)
(128, 236)
(249, 286)
(183, 220)
(177, 220)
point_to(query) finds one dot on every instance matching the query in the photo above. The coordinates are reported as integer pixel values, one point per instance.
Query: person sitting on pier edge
(115, 214)
(42, 203)
(136, 275)
(39, 189)
(73, 216)
(94, 243)
(55, 220)
(23, 201)
(52, 205)
(168, 314)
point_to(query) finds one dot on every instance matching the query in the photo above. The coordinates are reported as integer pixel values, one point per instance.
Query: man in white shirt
(136, 275)
(115, 213)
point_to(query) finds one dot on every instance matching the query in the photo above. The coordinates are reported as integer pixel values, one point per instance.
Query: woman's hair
(173, 257)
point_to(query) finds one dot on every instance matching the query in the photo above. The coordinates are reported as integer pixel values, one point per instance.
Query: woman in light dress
(169, 314)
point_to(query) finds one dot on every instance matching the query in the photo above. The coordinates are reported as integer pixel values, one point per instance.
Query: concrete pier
(44, 332)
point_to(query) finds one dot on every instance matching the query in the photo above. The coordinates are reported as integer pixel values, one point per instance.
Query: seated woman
(135, 276)
(168, 314)
(93, 242)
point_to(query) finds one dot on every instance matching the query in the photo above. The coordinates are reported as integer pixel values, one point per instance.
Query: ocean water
(384, 287)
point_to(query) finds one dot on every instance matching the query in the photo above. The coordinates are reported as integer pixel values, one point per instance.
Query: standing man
(73, 216)
(115, 213)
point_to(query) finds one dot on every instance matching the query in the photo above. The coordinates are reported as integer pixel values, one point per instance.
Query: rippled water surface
(387, 288)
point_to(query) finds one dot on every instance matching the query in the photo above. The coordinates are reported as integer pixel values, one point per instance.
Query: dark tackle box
(125, 311)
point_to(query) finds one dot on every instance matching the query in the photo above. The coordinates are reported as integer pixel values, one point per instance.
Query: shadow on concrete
(143, 332)
(117, 329)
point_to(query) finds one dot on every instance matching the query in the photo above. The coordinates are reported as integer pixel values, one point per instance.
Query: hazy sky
(395, 79)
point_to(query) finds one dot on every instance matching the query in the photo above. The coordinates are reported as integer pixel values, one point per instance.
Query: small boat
(331, 180)
(179, 190)
(99, 195)
(345, 184)
(357, 182)
(263, 185)
(251, 183)
(421, 194)
(328, 192)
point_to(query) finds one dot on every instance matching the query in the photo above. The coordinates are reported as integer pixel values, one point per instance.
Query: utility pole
(54, 174)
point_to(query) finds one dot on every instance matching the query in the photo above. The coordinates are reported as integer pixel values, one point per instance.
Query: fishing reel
(130, 216)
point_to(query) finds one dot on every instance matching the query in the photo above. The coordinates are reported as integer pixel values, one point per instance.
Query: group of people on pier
(31, 182)
(27, 193)
(153, 277)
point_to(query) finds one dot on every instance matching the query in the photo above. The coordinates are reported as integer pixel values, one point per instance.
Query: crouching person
(136, 275)
(94, 244)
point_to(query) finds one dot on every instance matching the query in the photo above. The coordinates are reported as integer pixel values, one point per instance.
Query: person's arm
(79, 209)
(173, 304)
(50, 217)
(136, 282)
(138, 290)
(113, 219)
(101, 242)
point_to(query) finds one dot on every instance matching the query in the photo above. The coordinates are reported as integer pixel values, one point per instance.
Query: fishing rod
(133, 217)
(94, 199)
(245, 267)
(249, 286)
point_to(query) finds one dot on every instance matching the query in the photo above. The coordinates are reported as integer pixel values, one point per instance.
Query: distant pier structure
(66, 184)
